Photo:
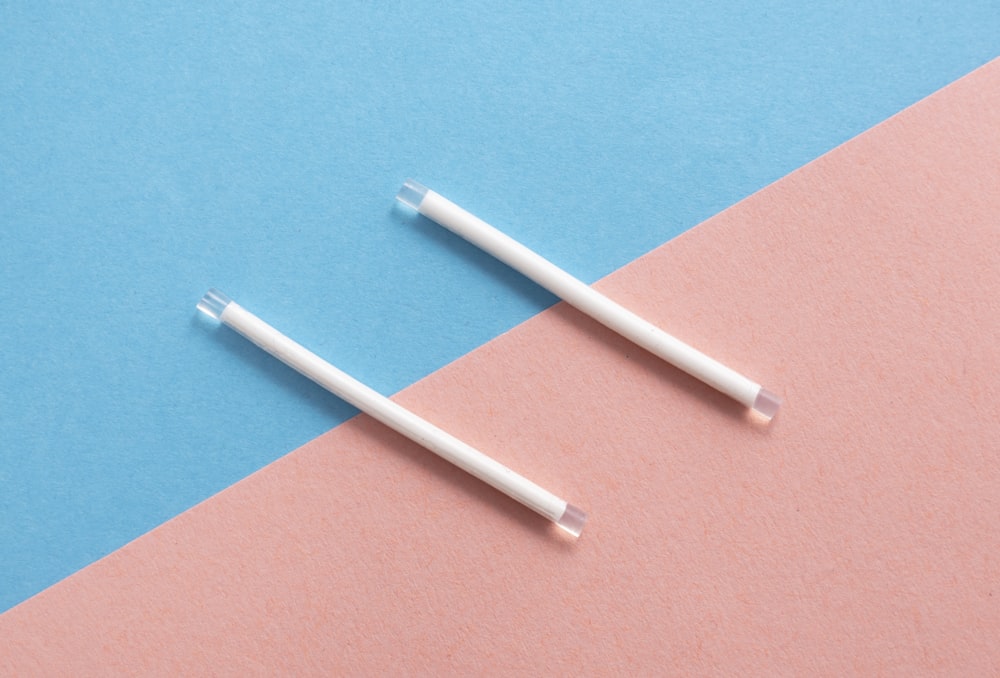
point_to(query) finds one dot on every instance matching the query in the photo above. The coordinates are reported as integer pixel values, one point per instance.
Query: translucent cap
(767, 403)
(572, 520)
(412, 194)
(214, 303)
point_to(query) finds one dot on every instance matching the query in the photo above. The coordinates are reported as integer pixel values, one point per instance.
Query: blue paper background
(149, 152)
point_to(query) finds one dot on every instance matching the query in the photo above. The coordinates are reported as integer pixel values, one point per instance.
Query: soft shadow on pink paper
(858, 534)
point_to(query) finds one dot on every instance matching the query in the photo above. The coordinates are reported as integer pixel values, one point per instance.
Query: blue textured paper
(148, 153)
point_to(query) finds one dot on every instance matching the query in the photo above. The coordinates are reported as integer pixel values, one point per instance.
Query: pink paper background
(858, 534)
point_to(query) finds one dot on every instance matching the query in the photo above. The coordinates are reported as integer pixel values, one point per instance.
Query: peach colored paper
(858, 534)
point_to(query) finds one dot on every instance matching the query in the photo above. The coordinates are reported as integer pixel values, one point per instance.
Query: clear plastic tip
(766, 403)
(412, 194)
(572, 520)
(214, 303)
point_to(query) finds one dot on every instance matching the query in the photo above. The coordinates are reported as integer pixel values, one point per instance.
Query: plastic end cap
(572, 520)
(412, 194)
(214, 303)
(766, 403)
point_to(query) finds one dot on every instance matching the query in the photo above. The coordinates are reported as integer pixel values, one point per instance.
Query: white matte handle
(436, 207)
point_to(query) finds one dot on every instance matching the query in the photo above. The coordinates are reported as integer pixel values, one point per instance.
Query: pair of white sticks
(575, 292)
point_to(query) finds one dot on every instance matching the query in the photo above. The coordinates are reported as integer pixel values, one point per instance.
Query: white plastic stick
(565, 515)
(577, 293)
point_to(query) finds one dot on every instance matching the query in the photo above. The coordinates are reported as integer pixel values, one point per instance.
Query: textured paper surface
(858, 534)
(150, 150)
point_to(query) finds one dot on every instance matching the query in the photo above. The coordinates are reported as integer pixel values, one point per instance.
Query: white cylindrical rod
(396, 417)
(436, 207)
